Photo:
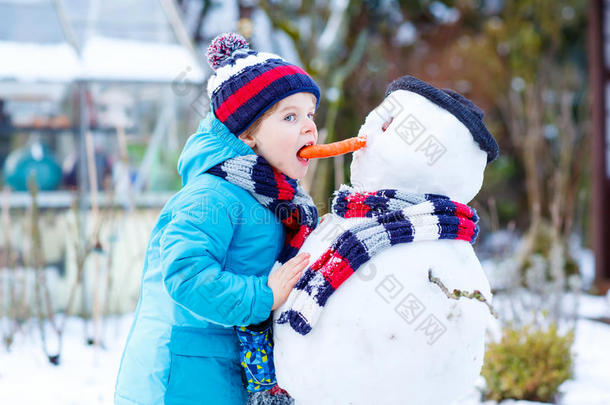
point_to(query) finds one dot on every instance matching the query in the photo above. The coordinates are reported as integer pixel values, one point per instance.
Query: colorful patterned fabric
(256, 352)
(246, 83)
(394, 218)
(295, 208)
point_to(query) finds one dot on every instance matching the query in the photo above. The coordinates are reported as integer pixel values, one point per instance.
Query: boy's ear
(248, 139)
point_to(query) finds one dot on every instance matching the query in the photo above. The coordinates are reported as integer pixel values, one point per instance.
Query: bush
(528, 363)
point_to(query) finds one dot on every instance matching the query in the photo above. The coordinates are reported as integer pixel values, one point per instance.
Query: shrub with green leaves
(528, 363)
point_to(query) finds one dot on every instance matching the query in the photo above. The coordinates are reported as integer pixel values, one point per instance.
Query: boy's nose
(308, 127)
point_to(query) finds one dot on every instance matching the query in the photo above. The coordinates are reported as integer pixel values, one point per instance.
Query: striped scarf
(277, 192)
(389, 217)
(296, 210)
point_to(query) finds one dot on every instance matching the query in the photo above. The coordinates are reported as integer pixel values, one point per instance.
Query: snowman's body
(388, 335)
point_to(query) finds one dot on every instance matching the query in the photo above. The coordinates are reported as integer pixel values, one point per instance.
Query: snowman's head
(424, 140)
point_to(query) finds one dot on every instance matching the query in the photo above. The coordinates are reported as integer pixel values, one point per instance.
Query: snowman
(373, 320)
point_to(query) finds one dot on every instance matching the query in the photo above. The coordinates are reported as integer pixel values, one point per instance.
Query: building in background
(101, 84)
(97, 98)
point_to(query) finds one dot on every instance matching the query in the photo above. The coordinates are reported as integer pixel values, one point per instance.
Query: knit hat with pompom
(247, 83)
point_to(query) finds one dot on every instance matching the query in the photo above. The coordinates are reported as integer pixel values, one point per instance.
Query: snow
(31, 62)
(85, 376)
(87, 373)
(591, 306)
(591, 384)
(102, 59)
(115, 59)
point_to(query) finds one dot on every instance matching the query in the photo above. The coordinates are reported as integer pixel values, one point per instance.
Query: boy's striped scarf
(296, 210)
(277, 192)
(389, 217)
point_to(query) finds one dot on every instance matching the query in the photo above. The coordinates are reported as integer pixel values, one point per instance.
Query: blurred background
(97, 99)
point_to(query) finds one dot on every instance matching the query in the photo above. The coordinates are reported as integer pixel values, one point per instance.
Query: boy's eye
(290, 117)
(311, 115)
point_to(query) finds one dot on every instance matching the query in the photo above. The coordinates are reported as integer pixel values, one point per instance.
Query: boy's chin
(296, 174)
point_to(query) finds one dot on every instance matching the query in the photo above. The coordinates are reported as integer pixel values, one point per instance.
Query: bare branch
(457, 294)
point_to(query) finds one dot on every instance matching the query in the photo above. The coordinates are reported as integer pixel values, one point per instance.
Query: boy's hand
(283, 279)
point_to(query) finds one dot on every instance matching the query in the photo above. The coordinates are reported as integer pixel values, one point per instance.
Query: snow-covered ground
(86, 374)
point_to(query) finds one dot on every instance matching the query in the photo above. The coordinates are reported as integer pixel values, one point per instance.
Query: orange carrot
(333, 149)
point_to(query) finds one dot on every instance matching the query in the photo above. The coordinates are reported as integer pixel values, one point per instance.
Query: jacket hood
(212, 144)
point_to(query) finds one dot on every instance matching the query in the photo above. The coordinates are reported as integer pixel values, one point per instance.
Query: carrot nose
(333, 149)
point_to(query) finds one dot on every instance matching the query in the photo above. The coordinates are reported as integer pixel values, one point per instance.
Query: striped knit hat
(247, 83)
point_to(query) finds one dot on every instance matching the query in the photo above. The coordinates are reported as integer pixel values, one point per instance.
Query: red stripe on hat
(286, 191)
(246, 92)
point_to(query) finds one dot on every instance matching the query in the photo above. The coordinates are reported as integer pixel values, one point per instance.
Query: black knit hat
(462, 108)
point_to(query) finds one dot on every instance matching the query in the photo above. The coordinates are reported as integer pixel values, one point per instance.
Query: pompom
(223, 46)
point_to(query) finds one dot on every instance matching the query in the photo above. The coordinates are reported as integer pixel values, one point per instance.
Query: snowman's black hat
(462, 108)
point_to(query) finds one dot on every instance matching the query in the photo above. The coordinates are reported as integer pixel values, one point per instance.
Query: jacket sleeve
(193, 249)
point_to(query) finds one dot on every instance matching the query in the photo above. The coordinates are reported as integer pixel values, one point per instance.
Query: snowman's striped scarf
(389, 217)
(277, 192)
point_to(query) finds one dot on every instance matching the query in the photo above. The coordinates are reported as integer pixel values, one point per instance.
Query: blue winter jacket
(205, 271)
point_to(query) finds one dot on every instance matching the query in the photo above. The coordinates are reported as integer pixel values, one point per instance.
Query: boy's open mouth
(301, 159)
